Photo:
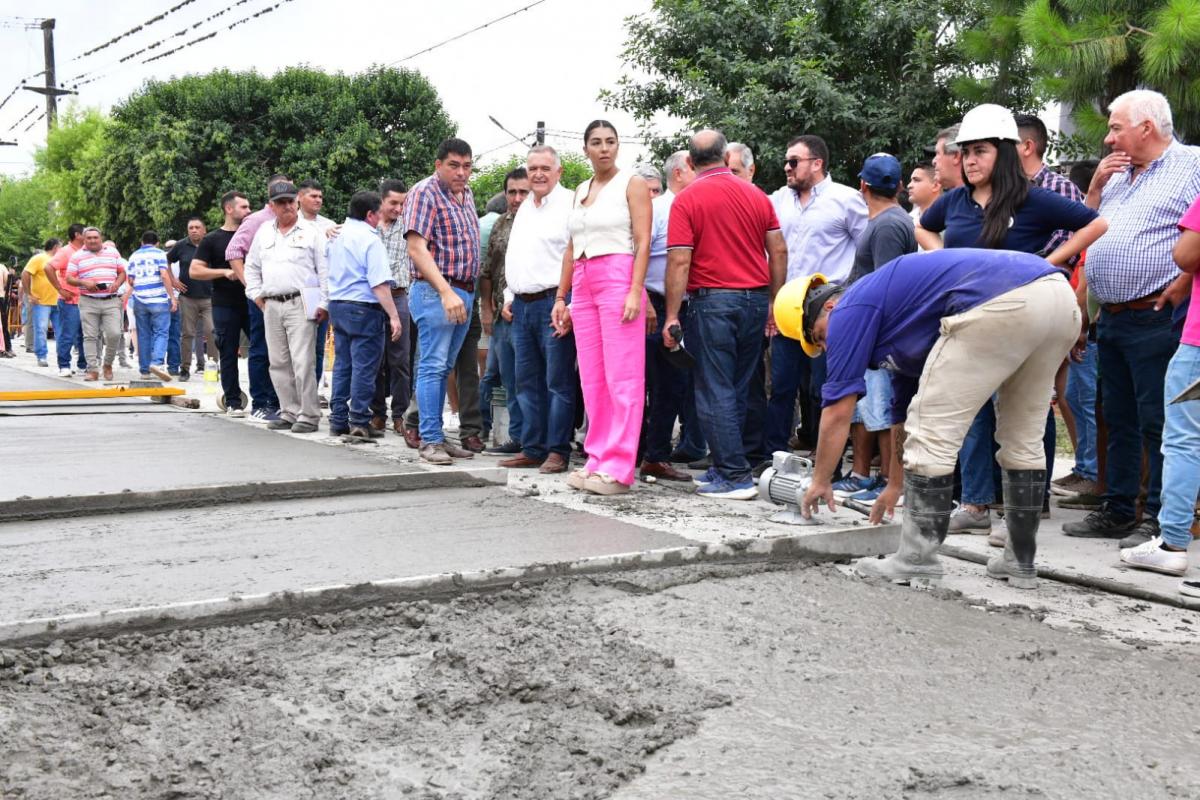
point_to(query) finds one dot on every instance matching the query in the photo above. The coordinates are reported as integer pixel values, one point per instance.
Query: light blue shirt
(822, 236)
(145, 268)
(656, 270)
(357, 261)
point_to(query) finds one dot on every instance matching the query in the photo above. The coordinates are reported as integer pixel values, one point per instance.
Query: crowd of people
(930, 336)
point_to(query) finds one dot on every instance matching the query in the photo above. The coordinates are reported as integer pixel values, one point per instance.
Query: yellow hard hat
(789, 310)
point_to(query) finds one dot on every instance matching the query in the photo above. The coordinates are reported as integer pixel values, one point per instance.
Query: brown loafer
(378, 424)
(663, 471)
(553, 463)
(454, 451)
(520, 461)
(92, 376)
(412, 437)
(473, 443)
(108, 372)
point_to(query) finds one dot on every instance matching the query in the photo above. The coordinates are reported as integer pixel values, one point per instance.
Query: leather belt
(282, 298)
(399, 292)
(466, 286)
(703, 290)
(533, 297)
(1141, 304)
(362, 303)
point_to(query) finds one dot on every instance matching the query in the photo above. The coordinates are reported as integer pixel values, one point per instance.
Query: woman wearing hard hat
(998, 208)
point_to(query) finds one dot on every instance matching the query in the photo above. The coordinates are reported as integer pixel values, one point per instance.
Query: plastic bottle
(211, 377)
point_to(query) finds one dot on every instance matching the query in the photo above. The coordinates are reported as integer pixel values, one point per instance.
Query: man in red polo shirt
(725, 249)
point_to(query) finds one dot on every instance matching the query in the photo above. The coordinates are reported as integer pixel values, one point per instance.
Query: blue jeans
(262, 391)
(438, 343)
(1135, 348)
(68, 333)
(666, 386)
(322, 337)
(502, 371)
(174, 342)
(359, 332)
(41, 324)
(977, 459)
(1081, 399)
(1180, 450)
(229, 322)
(545, 372)
(153, 328)
(691, 437)
(792, 373)
(724, 334)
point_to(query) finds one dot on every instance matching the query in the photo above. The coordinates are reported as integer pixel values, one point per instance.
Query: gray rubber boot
(1023, 493)
(927, 504)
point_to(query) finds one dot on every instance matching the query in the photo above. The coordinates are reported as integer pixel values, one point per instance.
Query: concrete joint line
(245, 609)
(35, 508)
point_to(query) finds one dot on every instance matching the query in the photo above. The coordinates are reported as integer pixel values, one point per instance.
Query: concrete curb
(243, 609)
(1087, 581)
(35, 508)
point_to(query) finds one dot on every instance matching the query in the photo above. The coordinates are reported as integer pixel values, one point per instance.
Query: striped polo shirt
(101, 267)
(145, 270)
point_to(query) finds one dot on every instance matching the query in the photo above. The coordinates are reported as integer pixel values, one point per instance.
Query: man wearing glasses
(821, 223)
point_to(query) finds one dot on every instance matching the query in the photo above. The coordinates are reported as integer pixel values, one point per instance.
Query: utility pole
(51, 91)
(541, 132)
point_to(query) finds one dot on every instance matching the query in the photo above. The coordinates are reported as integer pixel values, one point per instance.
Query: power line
(36, 120)
(135, 29)
(22, 119)
(467, 33)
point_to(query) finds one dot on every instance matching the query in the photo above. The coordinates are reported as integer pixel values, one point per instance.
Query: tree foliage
(487, 182)
(24, 211)
(867, 75)
(1089, 51)
(173, 148)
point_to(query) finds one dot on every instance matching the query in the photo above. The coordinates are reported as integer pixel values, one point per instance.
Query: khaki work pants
(291, 345)
(1012, 346)
(196, 321)
(100, 319)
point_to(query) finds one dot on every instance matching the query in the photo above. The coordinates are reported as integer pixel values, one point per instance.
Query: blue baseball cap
(881, 171)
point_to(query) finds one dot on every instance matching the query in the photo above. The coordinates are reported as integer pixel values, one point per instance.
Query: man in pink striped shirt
(98, 271)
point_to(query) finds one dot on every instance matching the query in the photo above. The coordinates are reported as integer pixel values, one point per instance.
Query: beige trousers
(1012, 346)
(291, 345)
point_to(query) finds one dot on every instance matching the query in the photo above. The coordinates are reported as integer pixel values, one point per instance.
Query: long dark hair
(1010, 187)
(598, 123)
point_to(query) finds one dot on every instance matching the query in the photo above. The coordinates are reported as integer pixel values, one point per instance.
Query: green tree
(24, 217)
(1088, 52)
(867, 75)
(74, 145)
(487, 182)
(174, 147)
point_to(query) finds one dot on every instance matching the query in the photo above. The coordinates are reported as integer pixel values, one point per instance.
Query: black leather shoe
(509, 448)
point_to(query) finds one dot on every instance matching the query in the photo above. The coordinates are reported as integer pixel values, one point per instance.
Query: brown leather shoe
(92, 376)
(412, 437)
(663, 471)
(454, 451)
(520, 461)
(378, 424)
(554, 463)
(108, 372)
(473, 443)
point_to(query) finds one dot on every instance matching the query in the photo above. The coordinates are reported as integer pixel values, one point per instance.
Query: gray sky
(548, 62)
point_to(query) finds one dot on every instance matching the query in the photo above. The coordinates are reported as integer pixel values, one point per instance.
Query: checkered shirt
(451, 228)
(1060, 185)
(397, 251)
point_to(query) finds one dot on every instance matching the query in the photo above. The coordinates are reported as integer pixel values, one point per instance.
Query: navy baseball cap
(881, 171)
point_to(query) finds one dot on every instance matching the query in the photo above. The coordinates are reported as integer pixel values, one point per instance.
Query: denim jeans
(792, 373)
(229, 322)
(262, 391)
(68, 333)
(322, 337)
(545, 378)
(359, 332)
(724, 334)
(1135, 348)
(502, 371)
(1081, 399)
(691, 436)
(174, 343)
(40, 321)
(1180, 450)
(977, 459)
(153, 328)
(438, 343)
(666, 386)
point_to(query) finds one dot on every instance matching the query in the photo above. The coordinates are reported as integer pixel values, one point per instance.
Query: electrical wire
(36, 120)
(466, 33)
(22, 119)
(135, 29)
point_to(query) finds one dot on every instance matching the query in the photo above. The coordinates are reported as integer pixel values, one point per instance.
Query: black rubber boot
(1024, 490)
(927, 504)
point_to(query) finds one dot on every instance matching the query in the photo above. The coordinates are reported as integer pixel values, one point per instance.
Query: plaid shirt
(493, 266)
(1133, 259)
(397, 251)
(450, 228)
(1060, 185)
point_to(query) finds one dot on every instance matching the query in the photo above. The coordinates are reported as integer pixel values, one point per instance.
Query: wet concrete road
(57, 567)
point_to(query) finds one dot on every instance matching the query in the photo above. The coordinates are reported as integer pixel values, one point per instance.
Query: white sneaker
(236, 413)
(66, 372)
(1190, 588)
(1151, 556)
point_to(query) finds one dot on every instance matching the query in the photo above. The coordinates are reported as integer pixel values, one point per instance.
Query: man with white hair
(1143, 187)
(652, 176)
(740, 160)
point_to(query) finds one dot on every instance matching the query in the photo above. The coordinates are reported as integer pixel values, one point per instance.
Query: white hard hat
(988, 121)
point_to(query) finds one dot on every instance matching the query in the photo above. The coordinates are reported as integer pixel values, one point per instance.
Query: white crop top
(604, 227)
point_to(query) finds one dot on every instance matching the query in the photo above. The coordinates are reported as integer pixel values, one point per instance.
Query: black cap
(283, 190)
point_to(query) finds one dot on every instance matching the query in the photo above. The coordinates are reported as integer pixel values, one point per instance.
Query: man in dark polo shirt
(195, 301)
(726, 251)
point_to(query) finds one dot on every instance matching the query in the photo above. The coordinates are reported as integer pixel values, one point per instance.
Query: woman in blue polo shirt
(998, 208)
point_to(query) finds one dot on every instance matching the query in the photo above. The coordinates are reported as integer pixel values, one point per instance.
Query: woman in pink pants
(604, 268)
